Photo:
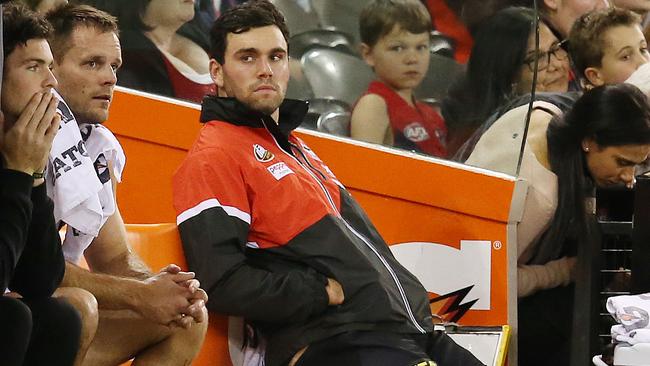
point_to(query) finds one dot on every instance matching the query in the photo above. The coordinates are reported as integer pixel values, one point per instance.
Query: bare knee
(190, 339)
(86, 304)
(178, 347)
(83, 301)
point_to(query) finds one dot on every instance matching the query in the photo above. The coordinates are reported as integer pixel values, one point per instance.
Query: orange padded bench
(159, 245)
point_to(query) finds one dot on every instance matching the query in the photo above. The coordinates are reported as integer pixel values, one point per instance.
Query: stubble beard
(267, 106)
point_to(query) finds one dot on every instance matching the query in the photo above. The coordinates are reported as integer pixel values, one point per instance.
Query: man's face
(625, 49)
(563, 13)
(26, 72)
(86, 73)
(255, 69)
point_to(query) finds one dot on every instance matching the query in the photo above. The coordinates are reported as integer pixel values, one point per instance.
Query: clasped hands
(174, 298)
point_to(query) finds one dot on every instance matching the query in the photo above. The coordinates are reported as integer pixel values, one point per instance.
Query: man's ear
(366, 54)
(216, 73)
(594, 76)
(552, 4)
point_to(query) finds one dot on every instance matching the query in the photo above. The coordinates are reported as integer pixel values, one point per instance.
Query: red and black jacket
(264, 223)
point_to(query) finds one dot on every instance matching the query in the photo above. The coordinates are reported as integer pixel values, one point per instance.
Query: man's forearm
(111, 292)
(126, 264)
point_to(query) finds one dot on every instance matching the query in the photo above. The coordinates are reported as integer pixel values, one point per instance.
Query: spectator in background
(607, 46)
(156, 58)
(395, 36)
(36, 329)
(561, 14)
(500, 68)
(43, 6)
(567, 156)
(446, 19)
(198, 29)
(227, 4)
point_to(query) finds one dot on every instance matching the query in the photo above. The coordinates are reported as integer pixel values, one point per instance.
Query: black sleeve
(15, 216)
(213, 247)
(41, 266)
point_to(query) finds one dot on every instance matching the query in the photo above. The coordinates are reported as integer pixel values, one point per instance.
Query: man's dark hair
(66, 18)
(21, 25)
(379, 18)
(241, 19)
(587, 38)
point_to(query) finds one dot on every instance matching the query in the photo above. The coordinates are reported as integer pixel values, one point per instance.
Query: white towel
(71, 179)
(620, 335)
(632, 312)
(641, 78)
(106, 153)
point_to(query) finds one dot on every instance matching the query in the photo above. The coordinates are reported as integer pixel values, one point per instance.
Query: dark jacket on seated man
(31, 260)
(39, 329)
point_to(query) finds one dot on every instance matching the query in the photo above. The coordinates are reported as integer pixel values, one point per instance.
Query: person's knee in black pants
(445, 352)
(55, 335)
(16, 320)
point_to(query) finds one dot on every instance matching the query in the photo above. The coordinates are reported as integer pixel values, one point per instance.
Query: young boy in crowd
(607, 46)
(395, 43)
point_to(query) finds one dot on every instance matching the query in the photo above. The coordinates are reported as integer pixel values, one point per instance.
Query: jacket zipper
(407, 305)
(304, 157)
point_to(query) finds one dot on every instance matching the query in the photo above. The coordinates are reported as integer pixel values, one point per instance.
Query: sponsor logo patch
(279, 170)
(262, 154)
(416, 132)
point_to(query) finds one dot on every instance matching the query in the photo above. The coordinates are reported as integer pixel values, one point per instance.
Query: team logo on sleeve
(262, 154)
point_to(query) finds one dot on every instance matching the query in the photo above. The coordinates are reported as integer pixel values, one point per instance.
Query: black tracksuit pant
(38, 332)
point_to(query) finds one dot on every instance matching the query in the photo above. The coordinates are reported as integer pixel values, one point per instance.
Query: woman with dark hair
(156, 58)
(501, 67)
(597, 143)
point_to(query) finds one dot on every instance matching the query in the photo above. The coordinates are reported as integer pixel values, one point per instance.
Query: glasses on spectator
(544, 58)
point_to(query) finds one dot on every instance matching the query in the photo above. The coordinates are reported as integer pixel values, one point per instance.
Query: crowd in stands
(165, 48)
(303, 280)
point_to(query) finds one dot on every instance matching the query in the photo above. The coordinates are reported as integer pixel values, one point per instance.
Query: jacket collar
(292, 113)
